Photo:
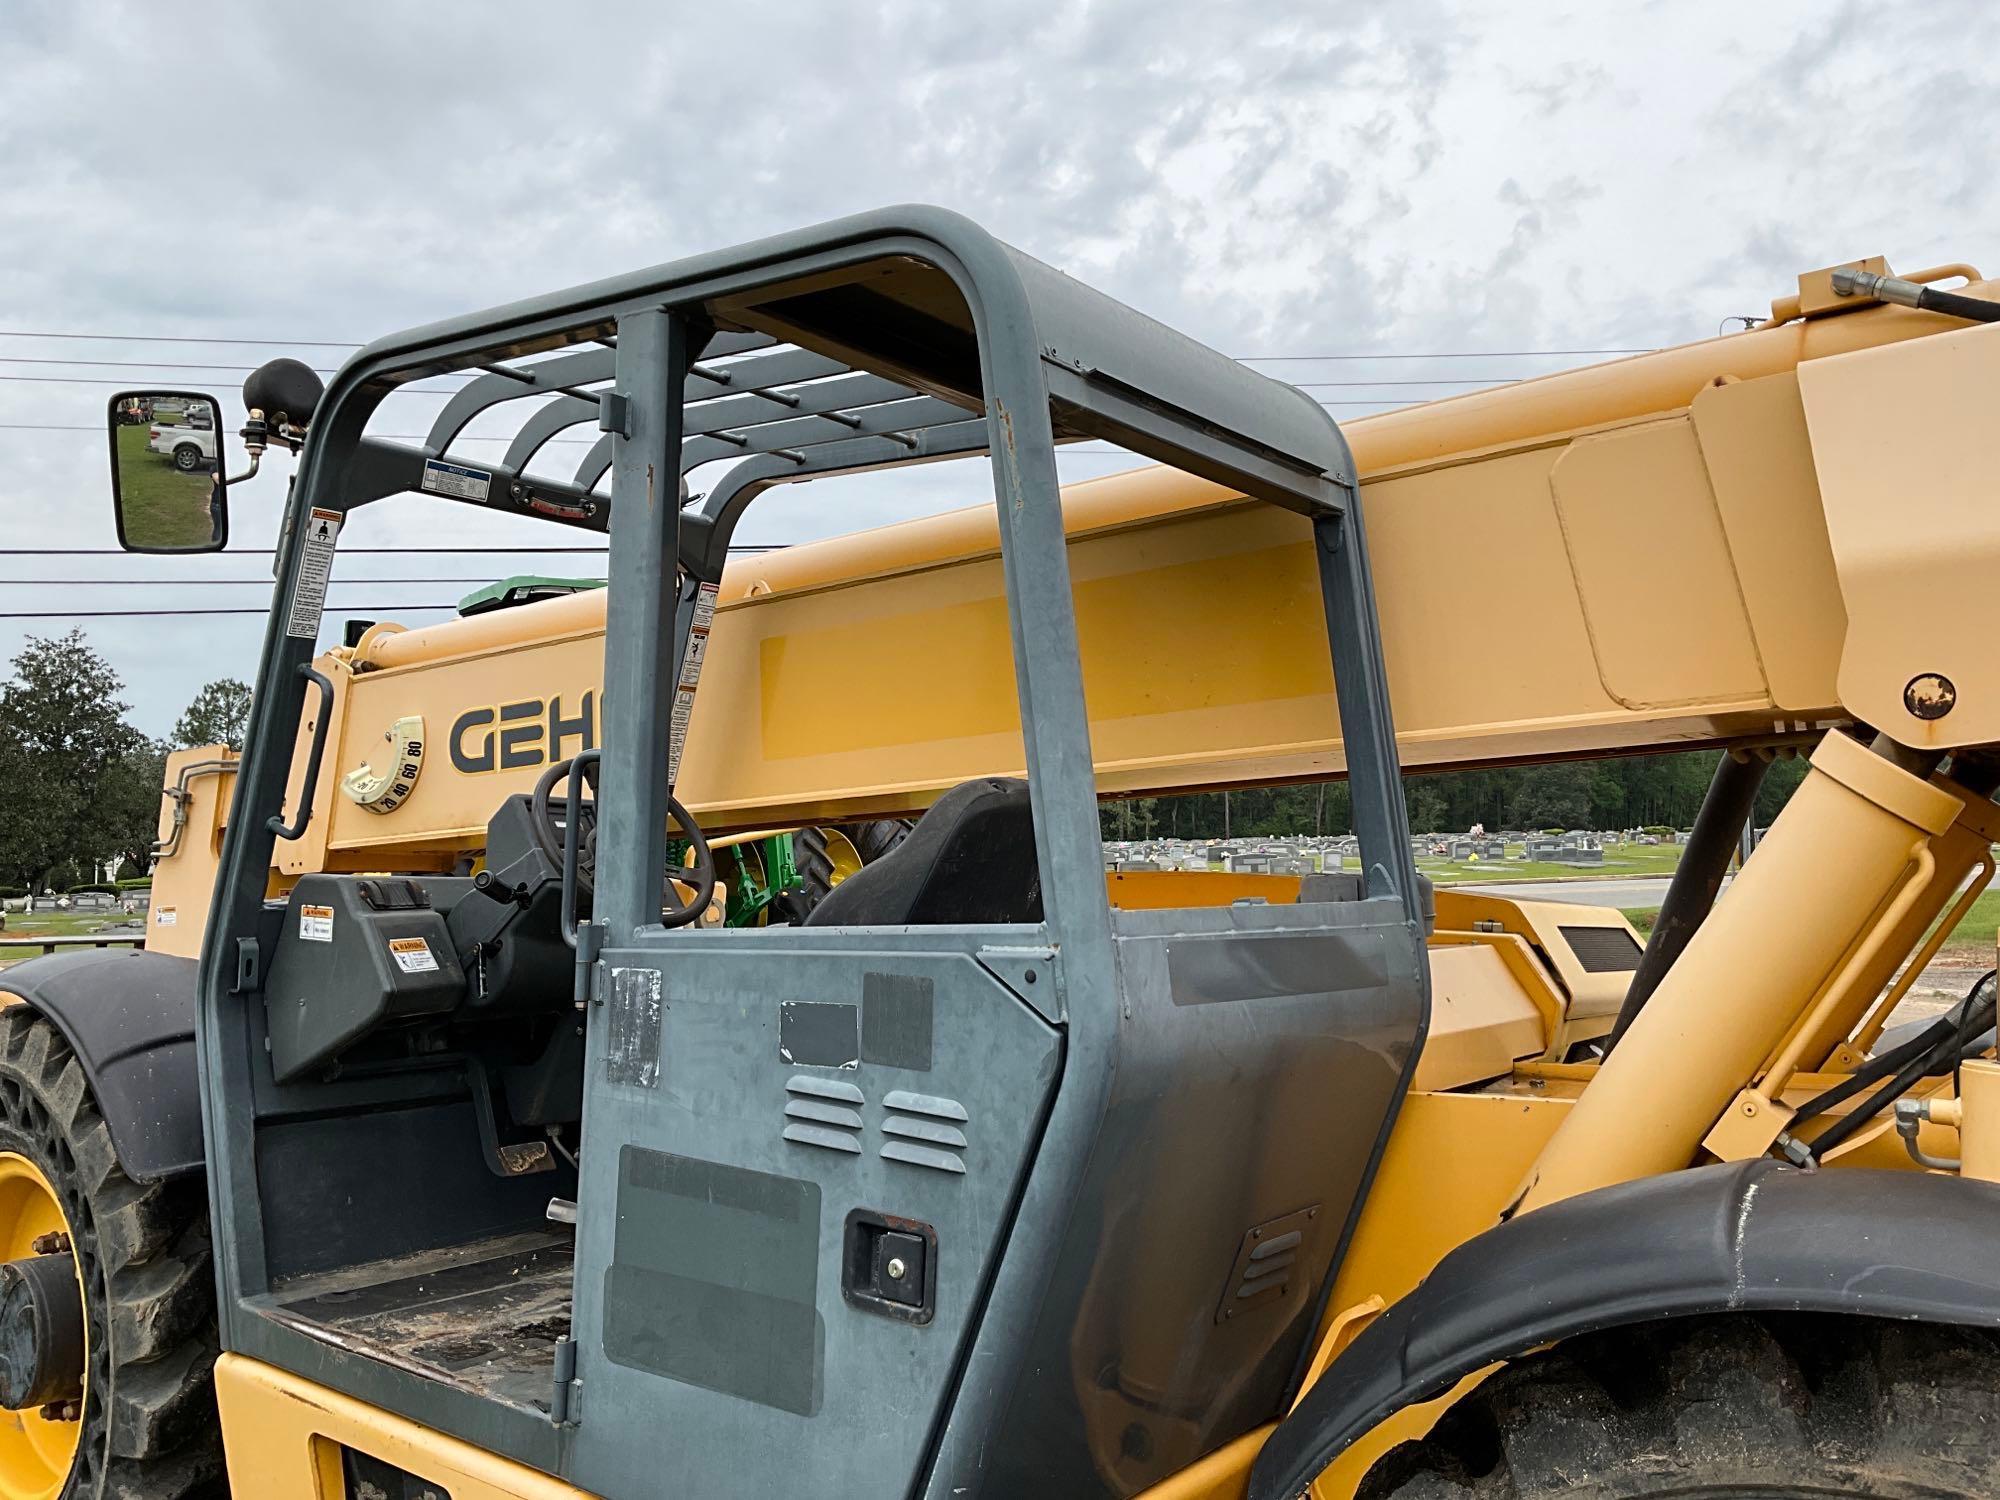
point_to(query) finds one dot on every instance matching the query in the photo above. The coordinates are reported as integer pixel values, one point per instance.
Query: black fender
(1755, 1236)
(129, 1017)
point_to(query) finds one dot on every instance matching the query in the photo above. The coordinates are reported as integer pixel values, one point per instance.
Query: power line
(363, 551)
(162, 614)
(207, 583)
(135, 364)
(1349, 385)
(401, 390)
(344, 551)
(420, 390)
(1248, 359)
(179, 338)
(463, 437)
(1271, 359)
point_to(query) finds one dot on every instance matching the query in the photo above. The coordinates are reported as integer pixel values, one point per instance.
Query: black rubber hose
(1974, 1017)
(1704, 864)
(1951, 304)
(1923, 1044)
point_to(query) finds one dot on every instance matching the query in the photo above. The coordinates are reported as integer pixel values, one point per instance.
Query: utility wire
(178, 338)
(1248, 359)
(401, 390)
(162, 614)
(134, 364)
(344, 551)
(1273, 359)
(419, 390)
(207, 583)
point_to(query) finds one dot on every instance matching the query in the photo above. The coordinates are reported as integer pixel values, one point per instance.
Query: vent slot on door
(1267, 1263)
(823, 1112)
(923, 1130)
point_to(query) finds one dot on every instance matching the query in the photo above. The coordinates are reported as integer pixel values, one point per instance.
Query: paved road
(1647, 891)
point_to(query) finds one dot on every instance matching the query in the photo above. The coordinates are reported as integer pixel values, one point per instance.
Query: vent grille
(1603, 950)
(823, 1112)
(923, 1131)
(1268, 1263)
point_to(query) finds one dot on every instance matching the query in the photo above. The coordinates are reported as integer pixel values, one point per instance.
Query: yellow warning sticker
(413, 955)
(316, 924)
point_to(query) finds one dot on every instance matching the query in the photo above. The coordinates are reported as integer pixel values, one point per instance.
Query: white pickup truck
(191, 447)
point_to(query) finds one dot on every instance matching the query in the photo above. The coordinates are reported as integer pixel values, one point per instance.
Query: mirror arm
(256, 458)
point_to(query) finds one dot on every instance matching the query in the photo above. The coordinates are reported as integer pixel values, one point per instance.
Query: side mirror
(167, 485)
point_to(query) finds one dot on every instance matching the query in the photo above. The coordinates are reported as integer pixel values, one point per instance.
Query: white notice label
(315, 566)
(165, 916)
(456, 480)
(316, 924)
(413, 955)
(690, 675)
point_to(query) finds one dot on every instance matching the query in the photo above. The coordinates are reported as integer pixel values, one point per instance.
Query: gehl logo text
(516, 736)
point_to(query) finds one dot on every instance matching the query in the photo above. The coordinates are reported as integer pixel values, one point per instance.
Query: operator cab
(697, 1190)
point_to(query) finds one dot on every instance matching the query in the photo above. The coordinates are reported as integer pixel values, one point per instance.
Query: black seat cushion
(970, 859)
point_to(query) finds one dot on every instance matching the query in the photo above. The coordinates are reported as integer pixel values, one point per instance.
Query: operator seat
(970, 859)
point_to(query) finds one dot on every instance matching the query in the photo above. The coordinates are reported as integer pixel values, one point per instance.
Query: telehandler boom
(972, 1174)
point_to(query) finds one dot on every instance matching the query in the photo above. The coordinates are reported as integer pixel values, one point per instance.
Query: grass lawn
(162, 506)
(59, 924)
(1970, 943)
(1621, 861)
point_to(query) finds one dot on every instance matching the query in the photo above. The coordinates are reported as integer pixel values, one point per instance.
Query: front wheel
(107, 1302)
(187, 458)
(1778, 1407)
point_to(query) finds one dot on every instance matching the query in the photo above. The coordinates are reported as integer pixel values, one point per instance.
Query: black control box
(355, 952)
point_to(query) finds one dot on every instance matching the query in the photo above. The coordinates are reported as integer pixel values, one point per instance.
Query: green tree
(62, 729)
(219, 715)
(1552, 796)
(129, 799)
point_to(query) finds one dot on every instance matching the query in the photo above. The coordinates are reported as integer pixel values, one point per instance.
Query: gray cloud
(1290, 177)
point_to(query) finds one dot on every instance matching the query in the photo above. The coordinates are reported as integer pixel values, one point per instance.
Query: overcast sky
(1407, 177)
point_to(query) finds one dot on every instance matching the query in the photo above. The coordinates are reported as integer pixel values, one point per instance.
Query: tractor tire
(147, 1429)
(871, 841)
(1779, 1407)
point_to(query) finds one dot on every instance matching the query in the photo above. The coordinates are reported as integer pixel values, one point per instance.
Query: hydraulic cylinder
(1835, 856)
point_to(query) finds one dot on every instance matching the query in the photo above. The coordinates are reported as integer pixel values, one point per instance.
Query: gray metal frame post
(1361, 690)
(1034, 555)
(654, 351)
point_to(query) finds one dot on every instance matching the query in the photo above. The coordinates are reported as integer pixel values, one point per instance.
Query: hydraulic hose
(1974, 1016)
(1850, 283)
(1922, 1045)
(1732, 796)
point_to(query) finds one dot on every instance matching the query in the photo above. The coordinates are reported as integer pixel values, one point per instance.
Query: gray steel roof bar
(740, 412)
(749, 399)
(558, 375)
(892, 419)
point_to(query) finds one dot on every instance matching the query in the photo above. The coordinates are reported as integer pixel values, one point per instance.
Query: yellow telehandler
(465, 1130)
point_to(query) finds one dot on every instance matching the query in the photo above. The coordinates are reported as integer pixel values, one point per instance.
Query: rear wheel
(134, 1418)
(826, 856)
(1751, 1408)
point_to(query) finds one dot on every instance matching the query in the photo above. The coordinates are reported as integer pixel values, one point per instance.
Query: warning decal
(165, 916)
(315, 567)
(413, 955)
(456, 480)
(690, 675)
(316, 924)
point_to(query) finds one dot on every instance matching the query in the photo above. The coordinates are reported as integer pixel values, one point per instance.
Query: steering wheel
(549, 836)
